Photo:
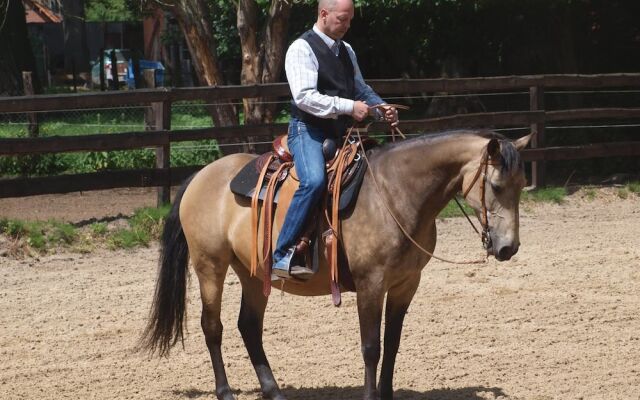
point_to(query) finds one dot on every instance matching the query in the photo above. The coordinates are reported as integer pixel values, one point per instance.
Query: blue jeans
(305, 144)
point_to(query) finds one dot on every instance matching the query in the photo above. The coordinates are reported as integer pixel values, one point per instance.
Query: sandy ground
(558, 321)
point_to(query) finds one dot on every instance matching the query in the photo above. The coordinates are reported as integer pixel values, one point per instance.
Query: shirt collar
(326, 39)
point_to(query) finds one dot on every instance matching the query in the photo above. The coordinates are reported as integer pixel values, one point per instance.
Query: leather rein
(482, 170)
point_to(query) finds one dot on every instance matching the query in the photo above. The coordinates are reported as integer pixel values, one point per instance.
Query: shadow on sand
(353, 392)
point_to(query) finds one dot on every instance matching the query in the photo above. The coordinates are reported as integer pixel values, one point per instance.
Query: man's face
(336, 22)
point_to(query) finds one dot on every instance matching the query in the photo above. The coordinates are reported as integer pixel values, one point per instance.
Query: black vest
(335, 78)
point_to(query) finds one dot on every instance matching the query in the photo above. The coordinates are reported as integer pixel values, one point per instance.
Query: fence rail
(161, 138)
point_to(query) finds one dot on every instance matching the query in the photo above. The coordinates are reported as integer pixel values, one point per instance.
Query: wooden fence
(160, 100)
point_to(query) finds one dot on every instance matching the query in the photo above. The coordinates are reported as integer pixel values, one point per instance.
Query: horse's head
(491, 185)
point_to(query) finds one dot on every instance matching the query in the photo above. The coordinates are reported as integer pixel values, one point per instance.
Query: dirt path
(559, 321)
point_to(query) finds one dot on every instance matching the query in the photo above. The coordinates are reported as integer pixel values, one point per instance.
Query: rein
(485, 226)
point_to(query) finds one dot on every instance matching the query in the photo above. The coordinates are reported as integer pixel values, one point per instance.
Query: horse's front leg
(398, 299)
(370, 298)
(250, 324)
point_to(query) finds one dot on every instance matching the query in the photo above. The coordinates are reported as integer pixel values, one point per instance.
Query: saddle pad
(244, 183)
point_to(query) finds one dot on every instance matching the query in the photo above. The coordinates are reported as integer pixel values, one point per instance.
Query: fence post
(114, 71)
(162, 122)
(158, 118)
(27, 84)
(536, 103)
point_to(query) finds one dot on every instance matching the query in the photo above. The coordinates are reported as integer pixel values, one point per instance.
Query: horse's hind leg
(250, 324)
(211, 278)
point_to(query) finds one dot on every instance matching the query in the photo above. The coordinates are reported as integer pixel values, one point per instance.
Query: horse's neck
(422, 176)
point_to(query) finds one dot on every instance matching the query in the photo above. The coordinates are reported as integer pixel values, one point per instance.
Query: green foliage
(545, 195)
(623, 193)
(149, 219)
(128, 239)
(45, 164)
(452, 210)
(185, 116)
(108, 160)
(144, 226)
(99, 228)
(32, 233)
(15, 229)
(590, 193)
(109, 11)
(37, 240)
(62, 233)
(634, 187)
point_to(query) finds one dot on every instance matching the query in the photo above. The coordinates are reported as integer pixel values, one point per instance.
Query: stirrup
(284, 270)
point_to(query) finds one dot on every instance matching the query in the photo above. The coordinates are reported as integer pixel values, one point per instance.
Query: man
(328, 93)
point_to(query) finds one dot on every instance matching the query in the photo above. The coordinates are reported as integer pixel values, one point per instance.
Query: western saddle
(275, 167)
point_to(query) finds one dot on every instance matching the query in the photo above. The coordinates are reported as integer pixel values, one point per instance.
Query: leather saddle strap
(267, 218)
(346, 156)
(255, 212)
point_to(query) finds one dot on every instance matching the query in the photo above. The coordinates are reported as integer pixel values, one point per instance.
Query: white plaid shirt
(301, 66)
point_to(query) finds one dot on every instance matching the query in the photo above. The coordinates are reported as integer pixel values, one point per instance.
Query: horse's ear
(493, 148)
(523, 141)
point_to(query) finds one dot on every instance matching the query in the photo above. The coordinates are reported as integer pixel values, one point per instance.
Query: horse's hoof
(225, 394)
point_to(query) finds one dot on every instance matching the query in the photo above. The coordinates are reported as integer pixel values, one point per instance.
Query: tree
(76, 55)
(193, 16)
(262, 27)
(17, 55)
(262, 51)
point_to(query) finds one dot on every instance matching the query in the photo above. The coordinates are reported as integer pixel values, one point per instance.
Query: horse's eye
(496, 188)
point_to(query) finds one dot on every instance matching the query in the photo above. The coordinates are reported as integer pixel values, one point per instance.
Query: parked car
(122, 57)
(125, 69)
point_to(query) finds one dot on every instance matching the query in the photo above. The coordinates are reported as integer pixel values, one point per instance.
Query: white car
(122, 56)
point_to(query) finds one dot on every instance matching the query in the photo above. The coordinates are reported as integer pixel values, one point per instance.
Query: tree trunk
(15, 49)
(76, 51)
(193, 17)
(262, 56)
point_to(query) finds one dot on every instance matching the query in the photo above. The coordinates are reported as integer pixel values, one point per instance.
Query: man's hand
(360, 110)
(391, 115)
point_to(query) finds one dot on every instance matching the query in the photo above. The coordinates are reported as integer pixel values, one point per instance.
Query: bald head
(331, 5)
(334, 17)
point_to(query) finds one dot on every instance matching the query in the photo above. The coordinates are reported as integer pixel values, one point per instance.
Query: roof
(37, 13)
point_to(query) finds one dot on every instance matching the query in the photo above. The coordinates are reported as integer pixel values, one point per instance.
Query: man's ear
(523, 141)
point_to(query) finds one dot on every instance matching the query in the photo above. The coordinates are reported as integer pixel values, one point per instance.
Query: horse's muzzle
(504, 252)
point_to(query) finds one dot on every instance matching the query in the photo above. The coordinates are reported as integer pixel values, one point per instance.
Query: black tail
(168, 311)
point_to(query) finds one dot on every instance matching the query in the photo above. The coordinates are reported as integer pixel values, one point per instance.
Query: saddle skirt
(273, 175)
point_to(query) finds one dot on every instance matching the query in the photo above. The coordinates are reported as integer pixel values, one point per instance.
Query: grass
(44, 237)
(546, 195)
(623, 193)
(590, 193)
(185, 116)
(631, 187)
(452, 210)
(634, 187)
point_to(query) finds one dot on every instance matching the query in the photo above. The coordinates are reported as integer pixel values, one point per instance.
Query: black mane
(510, 162)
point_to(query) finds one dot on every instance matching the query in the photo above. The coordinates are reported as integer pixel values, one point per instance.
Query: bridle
(483, 168)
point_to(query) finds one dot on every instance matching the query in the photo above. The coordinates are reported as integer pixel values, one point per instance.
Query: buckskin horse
(407, 185)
